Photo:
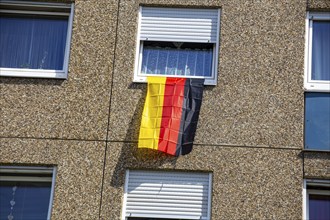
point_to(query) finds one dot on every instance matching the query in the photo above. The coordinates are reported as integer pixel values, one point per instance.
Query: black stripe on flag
(193, 94)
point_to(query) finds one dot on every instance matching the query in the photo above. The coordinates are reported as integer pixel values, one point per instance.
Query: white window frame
(209, 200)
(307, 192)
(41, 73)
(138, 77)
(309, 84)
(32, 170)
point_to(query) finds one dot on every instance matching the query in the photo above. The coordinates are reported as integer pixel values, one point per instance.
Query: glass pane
(192, 62)
(182, 59)
(32, 42)
(321, 50)
(208, 62)
(319, 207)
(317, 121)
(173, 56)
(24, 200)
(162, 62)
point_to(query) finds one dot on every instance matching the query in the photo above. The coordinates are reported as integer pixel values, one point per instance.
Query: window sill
(33, 73)
(143, 79)
(315, 150)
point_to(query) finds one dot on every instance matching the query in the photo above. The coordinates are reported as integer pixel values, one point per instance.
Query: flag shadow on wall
(159, 146)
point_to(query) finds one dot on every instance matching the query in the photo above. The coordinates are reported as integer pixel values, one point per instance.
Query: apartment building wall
(250, 129)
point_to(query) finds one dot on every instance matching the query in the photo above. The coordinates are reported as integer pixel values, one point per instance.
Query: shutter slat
(170, 179)
(196, 198)
(156, 176)
(167, 208)
(178, 20)
(171, 215)
(176, 24)
(152, 10)
(179, 24)
(172, 34)
(156, 189)
(166, 193)
(167, 216)
(171, 212)
(179, 195)
(165, 189)
(156, 199)
(194, 27)
(167, 185)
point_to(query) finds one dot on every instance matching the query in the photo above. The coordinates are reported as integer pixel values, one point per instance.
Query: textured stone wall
(250, 132)
(248, 183)
(76, 108)
(317, 165)
(318, 5)
(258, 100)
(63, 123)
(79, 164)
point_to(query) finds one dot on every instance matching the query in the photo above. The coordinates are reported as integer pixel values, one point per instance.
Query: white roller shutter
(179, 24)
(161, 194)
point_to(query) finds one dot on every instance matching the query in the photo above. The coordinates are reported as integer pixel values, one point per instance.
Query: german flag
(170, 114)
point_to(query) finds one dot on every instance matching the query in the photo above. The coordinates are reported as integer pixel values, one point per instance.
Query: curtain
(180, 62)
(319, 207)
(33, 42)
(24, 200)
(321, 50)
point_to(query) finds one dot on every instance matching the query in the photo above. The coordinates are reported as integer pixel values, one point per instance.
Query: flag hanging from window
(170, 114)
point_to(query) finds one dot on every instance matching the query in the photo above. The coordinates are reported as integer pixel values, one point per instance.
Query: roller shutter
(156, 194)
(179, 24)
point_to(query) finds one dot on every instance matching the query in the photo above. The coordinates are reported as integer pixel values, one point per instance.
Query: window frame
(32, 170)
(41, 8)
(138, 77)
(307, 192)
(309, 84)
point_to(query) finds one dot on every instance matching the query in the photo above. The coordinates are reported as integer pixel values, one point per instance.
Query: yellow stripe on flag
(152, 113)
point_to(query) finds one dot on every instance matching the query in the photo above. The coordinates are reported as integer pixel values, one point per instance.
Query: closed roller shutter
(157, 194)
(179, 24)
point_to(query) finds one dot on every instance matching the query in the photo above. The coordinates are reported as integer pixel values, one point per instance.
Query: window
(317, 121)
(177, 42)
(317, 81)
(317, 199)
(317, 68)
(35, 39)
(167, 195)
(26, 192)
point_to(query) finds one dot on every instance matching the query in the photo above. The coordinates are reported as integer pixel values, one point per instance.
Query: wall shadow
(31, 81)
(130, 156)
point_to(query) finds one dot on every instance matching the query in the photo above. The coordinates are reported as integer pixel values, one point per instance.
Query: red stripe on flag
(171, 116)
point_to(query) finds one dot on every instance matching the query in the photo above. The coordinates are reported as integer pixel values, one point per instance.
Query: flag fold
(170, 114)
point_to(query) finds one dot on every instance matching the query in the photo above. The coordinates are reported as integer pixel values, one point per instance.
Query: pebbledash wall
(250, 131)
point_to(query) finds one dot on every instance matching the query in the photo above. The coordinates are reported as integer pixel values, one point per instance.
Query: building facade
(251, 135)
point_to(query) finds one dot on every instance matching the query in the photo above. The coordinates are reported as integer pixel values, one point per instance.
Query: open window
(178, 42)
(317, 65)
(35, 38)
